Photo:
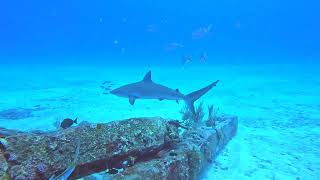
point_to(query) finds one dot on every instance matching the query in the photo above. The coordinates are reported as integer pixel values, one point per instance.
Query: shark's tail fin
(192, 97)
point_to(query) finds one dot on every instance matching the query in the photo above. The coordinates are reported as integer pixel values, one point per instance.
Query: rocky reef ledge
(137, 148)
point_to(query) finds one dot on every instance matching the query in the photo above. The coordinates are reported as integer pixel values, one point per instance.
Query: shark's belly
(158, 95)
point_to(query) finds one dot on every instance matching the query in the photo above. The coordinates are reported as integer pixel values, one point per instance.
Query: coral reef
(107, 86)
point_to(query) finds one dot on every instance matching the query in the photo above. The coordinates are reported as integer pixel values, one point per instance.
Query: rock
(187, 159)
(3, 167)
(16, 113)
(8, 132)
(102, 146)
(138, 148)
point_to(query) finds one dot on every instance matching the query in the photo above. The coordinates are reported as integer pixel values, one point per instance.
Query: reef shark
(147, 89)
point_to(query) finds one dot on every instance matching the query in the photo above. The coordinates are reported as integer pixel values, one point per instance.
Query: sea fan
(212, 116)
(190, 117)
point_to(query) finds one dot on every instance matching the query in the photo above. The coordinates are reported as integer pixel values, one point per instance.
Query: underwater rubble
(136, 148)
(8, 132)
(16, 113)
(20, 113)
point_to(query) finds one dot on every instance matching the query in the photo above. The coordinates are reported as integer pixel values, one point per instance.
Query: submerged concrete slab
(138, 148)
(196, 150)
(3, 167)
(38, 156)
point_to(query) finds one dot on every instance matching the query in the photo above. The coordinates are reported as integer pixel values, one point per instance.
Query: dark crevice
(118, 162)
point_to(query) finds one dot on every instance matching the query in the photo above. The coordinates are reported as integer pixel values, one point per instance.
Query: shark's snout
(118, 92)
(113, 91)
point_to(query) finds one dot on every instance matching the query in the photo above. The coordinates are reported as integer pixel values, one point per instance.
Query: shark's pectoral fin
(160, 99)
(177, 101)
(132, 100)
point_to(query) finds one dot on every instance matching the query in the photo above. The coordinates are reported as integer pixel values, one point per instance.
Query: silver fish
(65, 175)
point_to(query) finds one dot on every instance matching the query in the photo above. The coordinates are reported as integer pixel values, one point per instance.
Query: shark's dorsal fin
(147, 77)
(178, 90)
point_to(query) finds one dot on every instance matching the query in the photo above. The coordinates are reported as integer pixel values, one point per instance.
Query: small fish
(65, 175)
(201, 32)
(203, 57)
(152, 28)
(112, 171)
(68, 123)
(106, 82)
(173, 46)
(186, 59)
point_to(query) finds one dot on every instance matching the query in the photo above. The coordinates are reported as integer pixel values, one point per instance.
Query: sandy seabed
(278, 108)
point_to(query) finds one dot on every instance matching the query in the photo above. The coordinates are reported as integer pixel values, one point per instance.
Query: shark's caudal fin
(192, 97)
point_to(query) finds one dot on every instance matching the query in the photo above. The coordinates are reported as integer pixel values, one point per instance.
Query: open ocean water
(54, 56)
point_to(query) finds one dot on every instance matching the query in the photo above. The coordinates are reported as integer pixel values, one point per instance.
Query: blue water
(37, 30)
(266, 53)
